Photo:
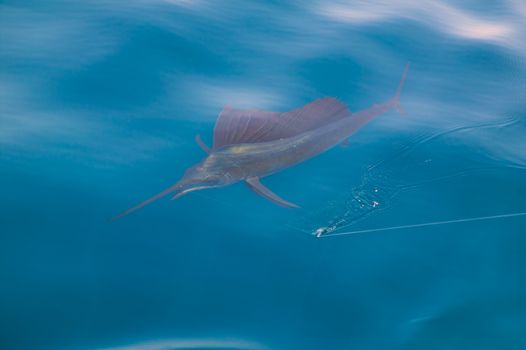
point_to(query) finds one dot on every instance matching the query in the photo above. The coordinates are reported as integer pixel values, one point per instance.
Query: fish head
(209, 173)
(202, 176)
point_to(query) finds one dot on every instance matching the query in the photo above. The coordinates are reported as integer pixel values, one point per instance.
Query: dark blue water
(99, 105)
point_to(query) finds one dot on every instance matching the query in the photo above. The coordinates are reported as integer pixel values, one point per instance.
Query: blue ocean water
(99, 105)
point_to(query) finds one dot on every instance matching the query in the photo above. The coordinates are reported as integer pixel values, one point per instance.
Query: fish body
(265, 158)
(251, 144)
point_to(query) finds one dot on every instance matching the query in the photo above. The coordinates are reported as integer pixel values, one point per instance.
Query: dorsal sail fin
(235, 126)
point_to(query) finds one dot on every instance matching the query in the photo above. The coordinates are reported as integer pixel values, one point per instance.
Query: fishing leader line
(434, 223)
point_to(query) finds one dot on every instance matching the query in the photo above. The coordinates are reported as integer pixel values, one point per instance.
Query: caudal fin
(147, 201)
(396, 97)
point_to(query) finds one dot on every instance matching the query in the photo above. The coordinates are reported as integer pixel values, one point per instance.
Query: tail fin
(396, 97)
(147, 201)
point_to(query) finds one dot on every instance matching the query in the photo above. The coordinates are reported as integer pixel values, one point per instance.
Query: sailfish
(251, 144)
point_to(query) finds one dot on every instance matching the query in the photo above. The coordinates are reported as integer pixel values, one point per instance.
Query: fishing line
(434, 223)
(378, 187)
(422, 139)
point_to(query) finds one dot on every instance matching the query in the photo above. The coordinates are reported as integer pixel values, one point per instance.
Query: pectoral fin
(202, 144)
(256, 186)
